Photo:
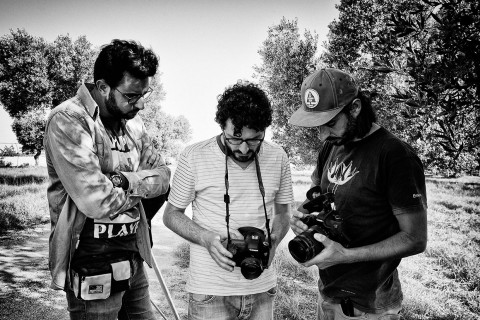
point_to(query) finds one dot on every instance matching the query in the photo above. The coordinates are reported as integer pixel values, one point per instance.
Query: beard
(239, 156)
(115, 111)
(351, 132)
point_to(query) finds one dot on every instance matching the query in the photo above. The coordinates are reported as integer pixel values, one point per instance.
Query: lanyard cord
(226, 197)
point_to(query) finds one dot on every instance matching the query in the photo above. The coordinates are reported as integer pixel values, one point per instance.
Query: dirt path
(24, 277)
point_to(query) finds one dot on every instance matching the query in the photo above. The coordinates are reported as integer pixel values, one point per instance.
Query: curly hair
(122, 56)
(246, 105)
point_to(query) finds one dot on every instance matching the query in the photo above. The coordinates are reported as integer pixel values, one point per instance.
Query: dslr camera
(327, 221)
(250, 254)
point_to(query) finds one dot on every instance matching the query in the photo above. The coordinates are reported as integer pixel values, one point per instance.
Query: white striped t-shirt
(200, 179)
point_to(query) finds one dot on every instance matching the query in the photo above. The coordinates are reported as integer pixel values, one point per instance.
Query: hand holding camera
(327, 222)
(213, 243)
(251, 254)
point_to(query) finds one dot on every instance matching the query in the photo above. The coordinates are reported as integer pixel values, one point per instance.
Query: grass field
(441, 283)
(23, 197)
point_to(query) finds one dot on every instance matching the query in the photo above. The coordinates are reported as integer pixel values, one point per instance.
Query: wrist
(206, 238)
(119, 180)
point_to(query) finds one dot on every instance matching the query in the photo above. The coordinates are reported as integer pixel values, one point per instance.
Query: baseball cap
(324, 93)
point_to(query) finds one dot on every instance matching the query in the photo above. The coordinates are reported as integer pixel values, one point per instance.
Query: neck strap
(226, 197)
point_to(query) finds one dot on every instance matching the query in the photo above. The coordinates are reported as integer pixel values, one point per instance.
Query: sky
(204, 46)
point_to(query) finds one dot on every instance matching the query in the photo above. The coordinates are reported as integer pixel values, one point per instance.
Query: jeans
(333, 311)
(132, 304)
(252, 307)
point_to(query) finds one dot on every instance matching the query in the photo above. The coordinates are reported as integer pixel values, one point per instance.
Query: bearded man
(237, 183)
(372, 186)
(102, 166)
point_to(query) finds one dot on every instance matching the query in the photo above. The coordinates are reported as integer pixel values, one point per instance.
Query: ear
(356, 107)
(102, 87)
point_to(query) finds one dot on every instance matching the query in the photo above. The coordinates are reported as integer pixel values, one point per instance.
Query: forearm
(176, 220)
(280, 223)
(148, 183)
(397, 246)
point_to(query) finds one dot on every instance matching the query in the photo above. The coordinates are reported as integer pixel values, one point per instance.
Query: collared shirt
(79, 154)
(200, 179)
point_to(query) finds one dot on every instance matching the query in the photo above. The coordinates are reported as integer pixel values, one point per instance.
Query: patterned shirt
(79, 154)
(199, 179)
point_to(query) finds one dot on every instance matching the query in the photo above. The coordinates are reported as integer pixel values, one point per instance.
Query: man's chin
(130, 115)
(243, 158)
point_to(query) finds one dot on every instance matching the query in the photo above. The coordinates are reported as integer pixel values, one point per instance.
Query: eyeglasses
(133, 98)
(237, 141)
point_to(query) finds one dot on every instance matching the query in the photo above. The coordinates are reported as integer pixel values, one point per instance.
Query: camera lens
(251, 268)
(304, 247)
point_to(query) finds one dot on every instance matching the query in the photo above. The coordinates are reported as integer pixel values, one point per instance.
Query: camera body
(327, 222)
(250, 254)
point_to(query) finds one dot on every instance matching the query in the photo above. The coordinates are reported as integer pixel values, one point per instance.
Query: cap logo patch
(311, 98)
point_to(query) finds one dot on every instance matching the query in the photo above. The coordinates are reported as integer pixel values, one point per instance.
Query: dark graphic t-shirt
(373, 180)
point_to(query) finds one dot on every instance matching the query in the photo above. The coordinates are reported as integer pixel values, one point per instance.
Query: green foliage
(169, 133)
(287, 60)
(421, 59)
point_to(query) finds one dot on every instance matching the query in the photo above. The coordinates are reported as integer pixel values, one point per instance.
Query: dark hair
(365, 118)
(246, 105)
(122, 56)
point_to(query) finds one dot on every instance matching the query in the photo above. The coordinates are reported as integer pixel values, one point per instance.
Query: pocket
(201, 298)
(98, 280)
(92, 287)
(121, 273)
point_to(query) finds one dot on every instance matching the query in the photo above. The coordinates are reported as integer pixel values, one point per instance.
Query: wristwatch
(119, 180)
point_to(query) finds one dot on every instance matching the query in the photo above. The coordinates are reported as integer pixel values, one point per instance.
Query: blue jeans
(132, 304)
(333, 311)
(252, 306)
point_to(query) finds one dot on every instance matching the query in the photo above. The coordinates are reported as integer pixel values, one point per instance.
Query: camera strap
(226, 197)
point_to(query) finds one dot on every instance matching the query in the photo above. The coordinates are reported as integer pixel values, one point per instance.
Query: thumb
(321, 238)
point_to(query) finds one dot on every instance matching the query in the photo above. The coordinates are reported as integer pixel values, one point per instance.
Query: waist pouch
(98, 279)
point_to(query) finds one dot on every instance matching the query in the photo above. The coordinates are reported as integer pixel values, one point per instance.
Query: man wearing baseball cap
(377, 186)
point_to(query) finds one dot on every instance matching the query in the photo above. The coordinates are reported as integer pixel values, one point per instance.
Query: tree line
(36, 76)
(419, 61)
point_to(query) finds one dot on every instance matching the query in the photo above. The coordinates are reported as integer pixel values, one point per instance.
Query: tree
(169, 133)
(24, 84)
(286, 60)
(69, 63)
(29, 128)
(36, 76)
(423, 57)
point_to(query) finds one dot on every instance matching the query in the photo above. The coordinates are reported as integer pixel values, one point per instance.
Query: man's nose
(140, 104)
(323, 133)
(244, 148)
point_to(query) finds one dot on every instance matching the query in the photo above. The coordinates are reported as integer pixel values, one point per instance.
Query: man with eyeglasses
(223, 178)
(104, 171)
(377, 185)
